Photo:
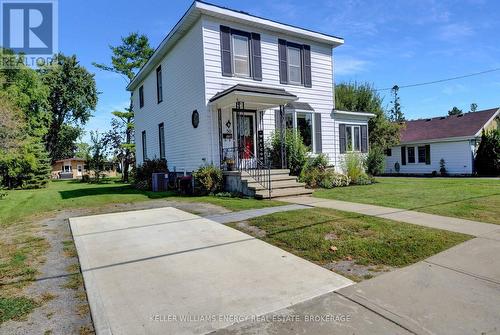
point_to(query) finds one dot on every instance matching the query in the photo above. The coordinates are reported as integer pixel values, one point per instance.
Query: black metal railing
(243, 160)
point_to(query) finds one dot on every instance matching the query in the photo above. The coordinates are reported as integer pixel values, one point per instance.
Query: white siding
(183, 92)
(457, 157)
(320, 96)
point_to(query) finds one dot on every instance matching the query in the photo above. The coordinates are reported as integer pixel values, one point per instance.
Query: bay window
(303, 123)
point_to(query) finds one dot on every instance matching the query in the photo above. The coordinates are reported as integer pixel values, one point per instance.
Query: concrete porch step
(274, 177)
(284, 192)
(276, 184)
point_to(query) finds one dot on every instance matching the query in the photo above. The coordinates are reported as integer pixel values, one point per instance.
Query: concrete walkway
(166, 271)
(252, 213)
(469, 227)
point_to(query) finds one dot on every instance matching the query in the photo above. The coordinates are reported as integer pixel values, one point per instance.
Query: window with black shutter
(141, 96)
(403, 155)
(294, 63)
(159, 85)
(240, 53)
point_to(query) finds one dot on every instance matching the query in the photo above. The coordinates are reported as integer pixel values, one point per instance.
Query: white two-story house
(224, 79)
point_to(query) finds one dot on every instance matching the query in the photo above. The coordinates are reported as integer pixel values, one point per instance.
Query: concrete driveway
(165, 271)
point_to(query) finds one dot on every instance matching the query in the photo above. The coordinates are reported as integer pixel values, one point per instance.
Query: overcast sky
(386, 43)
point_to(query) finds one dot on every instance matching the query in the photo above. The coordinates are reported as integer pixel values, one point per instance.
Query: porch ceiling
(258, 96)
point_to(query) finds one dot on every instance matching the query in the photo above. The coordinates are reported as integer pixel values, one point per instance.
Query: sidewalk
(423, 219)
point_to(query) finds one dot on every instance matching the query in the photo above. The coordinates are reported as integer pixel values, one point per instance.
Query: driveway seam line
(463, 271)
(376, 312)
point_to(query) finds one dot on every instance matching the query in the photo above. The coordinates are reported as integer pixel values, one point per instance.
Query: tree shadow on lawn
(114, 190)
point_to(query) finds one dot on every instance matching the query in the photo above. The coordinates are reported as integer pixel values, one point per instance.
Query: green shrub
(319, 161)
(353, 166)
(296, 151)
(208, 179)
(442, 167)
(375, 161)
(143, 174)
(331, 179)
(311, 177)
(364, 180)
(488, 154)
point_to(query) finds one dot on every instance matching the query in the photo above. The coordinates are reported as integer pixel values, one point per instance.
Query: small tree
(488, 154)
(395, 113)
(375, 161)
(455, 111)
(97, 157)
(296, 151)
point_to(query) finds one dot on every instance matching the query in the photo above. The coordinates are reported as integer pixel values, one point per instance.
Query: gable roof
(468, 125)
(200, 7)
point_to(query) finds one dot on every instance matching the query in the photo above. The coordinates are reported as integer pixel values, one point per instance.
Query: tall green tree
(127, 58)
(363, 98)
(395, 113)
(72, 98)
(455, 111)
(23, 87)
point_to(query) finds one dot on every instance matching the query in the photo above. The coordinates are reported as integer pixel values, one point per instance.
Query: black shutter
(403, 155)
(306, 65)
(364, 138)
(225, 46)
(342, 139)
(427, 154)
(317, 133)
(283, 61)
(256, 57)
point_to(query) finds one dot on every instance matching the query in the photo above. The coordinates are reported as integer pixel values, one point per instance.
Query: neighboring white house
(455, 139)
(220, 78)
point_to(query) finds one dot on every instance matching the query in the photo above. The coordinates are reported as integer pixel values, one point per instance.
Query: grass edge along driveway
(366, 240)
(466, 198)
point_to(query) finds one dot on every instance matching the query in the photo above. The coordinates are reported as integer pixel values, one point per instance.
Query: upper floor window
(159, 85)
(294, 63)
(241, 55)
(141, 96)
(294, 66)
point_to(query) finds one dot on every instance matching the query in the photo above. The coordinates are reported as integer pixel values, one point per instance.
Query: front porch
(246, 117)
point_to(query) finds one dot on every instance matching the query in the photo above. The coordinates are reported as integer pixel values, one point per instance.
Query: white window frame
(290, 81)
(294, 119)
(233, 56)
(352, 126)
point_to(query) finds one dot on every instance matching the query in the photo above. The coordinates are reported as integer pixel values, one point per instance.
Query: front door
(246, 136)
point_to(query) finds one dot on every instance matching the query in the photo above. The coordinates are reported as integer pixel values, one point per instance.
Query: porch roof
(267, 97)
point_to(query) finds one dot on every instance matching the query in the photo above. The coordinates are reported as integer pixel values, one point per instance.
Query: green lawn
(467, 198)
(21, 252)
(59, 195)
(366, 240)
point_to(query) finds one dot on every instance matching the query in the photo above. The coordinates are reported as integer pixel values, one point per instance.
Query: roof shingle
(465, 125)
